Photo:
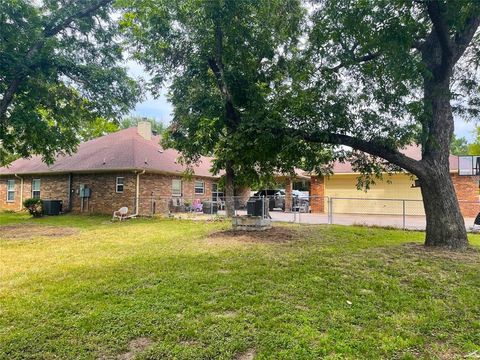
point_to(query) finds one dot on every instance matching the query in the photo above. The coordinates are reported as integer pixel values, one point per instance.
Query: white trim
(116, 184)
(137, 193)
(39, 188)
(181, 188)
(195, 187)
(11, 191)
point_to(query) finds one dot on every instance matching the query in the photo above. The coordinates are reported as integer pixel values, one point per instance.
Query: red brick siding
(466, 188)
(156, 192)
(317, 194)
(52, 187)
(4, 205)
(104, 198)
(288, 195)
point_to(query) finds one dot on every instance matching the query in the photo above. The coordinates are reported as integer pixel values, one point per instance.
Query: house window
(216, 194)
(199, 187)
(36, 188)
(176, 187)
(119, 184)
(10, 190)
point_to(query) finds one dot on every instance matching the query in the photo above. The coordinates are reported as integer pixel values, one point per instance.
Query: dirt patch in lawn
(135, 347)
(247, 355)
(18, 232)
(468, 255)
(273, 235)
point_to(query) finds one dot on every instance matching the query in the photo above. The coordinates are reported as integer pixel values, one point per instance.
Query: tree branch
(354, 61)
(49, 32)
(441, 29)
(217, 67)
(393, 156)
(463, 38)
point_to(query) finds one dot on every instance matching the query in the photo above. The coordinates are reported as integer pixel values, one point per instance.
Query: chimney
(144, 129)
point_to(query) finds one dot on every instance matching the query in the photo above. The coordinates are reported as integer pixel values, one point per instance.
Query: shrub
(34, 207)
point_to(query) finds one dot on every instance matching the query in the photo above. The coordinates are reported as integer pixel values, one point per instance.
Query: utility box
(254, 207)
(52, 207)
(85, 192)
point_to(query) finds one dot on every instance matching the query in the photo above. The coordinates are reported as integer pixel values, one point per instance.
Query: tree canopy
(460, 145)
(131, 121)
(220, 58)
(59, 68)
(268, 85)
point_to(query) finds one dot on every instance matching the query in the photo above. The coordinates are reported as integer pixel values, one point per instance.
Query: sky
(161, 109)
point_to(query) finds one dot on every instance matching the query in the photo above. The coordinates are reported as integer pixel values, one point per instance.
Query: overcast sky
(161, 109)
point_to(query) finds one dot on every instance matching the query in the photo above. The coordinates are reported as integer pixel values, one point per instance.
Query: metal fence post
(299, 211)
(404, 215)
(330, 210)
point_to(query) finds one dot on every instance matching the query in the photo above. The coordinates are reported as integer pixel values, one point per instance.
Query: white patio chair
(121, 214)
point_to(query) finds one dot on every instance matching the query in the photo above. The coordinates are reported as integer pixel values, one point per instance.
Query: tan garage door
(382, 198)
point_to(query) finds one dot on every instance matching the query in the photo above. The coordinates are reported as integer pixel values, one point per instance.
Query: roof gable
(122, 150)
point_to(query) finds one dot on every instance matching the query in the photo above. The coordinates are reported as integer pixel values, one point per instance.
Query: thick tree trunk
(445, 223)
(229, 190)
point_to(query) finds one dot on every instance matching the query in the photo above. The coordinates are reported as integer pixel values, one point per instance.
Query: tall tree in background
(459, 146)
(393, 68)
(132, 121)
(220, 56)
(58, 70)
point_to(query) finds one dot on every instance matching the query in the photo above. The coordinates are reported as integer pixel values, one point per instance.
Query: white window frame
(174, 193)
(33, 188)
(9, 191)
(216, 194)
(202, 187)
(117, 184)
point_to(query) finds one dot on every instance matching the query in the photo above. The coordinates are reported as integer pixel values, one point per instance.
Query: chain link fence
(406, 214)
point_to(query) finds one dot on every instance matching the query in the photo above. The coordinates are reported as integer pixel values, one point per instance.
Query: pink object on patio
(197, 205)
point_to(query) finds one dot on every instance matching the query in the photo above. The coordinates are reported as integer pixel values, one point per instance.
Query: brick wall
(104, 199)
(466, 188)
(52, 187)
(317, 194)
(155, 192)
(288, 195)
(14, 205)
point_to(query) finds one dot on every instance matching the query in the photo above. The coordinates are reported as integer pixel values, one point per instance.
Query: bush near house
(34, 207)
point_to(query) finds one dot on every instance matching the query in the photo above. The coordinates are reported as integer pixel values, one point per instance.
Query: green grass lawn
(168, 289)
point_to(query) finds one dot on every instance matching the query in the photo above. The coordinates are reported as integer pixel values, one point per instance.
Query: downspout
(70, 183)
(137, 193)
(21, 192)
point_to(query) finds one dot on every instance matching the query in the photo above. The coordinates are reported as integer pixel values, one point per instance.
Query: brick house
(125, 168)
(465, 172)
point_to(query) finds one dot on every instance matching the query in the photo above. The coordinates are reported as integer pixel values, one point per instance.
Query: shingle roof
(412, 151)
(122, 150)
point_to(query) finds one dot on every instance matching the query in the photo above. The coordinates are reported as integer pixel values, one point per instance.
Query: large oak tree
(217, 56)
(261, 90)
(397, 69)
(59, 68)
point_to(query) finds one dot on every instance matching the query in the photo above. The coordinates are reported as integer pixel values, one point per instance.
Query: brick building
(126, 168)
(383, 195)
(130, 168)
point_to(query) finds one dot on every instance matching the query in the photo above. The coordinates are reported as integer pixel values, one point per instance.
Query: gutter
(137, 192)
(21, 192)
(70, 183)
